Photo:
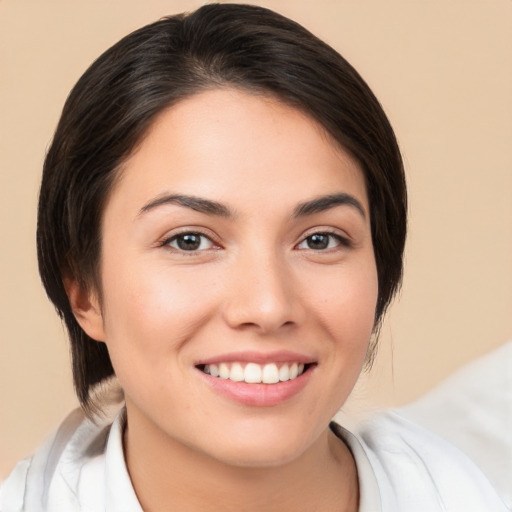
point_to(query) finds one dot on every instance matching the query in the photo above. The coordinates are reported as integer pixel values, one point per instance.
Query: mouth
(256, 379)
(255, 373)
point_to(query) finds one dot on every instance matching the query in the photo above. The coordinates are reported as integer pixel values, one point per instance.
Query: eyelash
(341, 241)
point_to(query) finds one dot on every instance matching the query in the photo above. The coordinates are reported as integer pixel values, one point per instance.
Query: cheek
(346, 302)
(153, 309)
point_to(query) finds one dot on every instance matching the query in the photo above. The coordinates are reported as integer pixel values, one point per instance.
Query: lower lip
(259, 395)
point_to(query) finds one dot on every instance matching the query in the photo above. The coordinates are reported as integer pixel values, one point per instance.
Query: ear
(86, 308)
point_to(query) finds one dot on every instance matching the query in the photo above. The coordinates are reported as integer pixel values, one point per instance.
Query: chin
(256, 448)
(246, 457)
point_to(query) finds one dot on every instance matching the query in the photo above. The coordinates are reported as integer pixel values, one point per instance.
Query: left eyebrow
(323, 203)
(198, 204)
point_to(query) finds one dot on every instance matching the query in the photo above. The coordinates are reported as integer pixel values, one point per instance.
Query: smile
(254, 373)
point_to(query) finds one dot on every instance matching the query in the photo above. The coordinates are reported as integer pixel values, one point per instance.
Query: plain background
(443, 72)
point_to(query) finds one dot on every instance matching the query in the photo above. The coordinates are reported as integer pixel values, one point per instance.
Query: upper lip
(281, 356)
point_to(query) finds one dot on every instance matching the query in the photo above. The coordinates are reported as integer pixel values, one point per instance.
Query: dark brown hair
(111, 107)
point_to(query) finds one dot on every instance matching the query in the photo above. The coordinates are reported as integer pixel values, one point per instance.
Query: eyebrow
(324, 203)
(195, 203)
(210, 207)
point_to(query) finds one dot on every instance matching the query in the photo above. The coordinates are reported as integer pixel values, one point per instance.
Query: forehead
(238, 147)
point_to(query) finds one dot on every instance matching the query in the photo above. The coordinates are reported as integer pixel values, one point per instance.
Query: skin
(255, 284)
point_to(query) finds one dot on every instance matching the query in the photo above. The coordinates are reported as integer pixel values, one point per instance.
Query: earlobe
(86, 308)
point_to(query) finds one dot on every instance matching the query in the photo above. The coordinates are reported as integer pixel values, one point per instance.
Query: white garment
(80, 468)
(417, 471)
(473, 410)
(401, 468)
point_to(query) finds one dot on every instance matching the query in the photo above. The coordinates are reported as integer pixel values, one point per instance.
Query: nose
(262, 294)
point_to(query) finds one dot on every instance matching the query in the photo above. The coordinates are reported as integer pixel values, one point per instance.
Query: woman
(221, 224)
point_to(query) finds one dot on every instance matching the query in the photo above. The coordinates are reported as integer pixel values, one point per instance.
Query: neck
(322, 478)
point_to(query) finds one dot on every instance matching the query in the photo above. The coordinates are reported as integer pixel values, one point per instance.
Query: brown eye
(190, 242)
(318, 241)
(321, 241)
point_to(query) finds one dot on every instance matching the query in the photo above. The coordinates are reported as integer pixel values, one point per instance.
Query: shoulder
(416, 470)
(49, 476)
(12, 491)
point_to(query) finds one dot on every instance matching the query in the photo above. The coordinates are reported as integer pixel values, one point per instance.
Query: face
(238, 278)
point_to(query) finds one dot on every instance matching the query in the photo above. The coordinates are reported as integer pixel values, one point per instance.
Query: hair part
(113, 104)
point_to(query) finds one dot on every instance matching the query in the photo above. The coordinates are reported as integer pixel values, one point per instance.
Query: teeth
(270, 374)
(237, 373)
(284, 373)
(254, 373)
(223, 371)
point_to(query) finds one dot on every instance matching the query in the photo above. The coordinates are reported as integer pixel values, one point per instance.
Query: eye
(322, 241)
(190, 242)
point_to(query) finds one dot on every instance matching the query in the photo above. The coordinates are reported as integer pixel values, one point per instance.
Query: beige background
(443, 73)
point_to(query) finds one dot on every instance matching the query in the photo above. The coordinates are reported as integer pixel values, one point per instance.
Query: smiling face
(238, 280)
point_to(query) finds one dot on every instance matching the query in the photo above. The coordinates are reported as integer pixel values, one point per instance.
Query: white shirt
(401, 468)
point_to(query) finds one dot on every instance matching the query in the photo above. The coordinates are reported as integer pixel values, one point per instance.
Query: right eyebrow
(198, 204)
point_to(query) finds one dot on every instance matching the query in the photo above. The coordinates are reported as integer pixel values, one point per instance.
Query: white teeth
(284, 373)
(236, 373)
(270, 374)
(254, 373)
(223, 371)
